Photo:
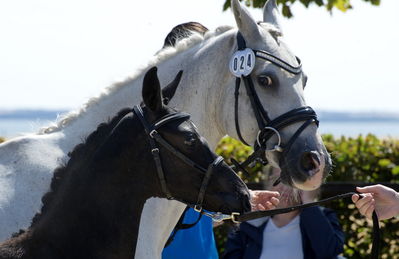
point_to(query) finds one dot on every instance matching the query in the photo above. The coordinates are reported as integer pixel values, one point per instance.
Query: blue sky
(57, 54)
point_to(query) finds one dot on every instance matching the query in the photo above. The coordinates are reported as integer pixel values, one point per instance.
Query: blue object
(197, 242)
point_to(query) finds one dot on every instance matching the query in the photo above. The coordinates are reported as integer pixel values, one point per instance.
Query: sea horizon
(14, 123)
(19, 122)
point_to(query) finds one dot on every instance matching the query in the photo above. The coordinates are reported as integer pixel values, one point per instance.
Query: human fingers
(266, 206)
(259, 207)
(369, 189)
(268, 194)
(367, 208)
(355, 198)
(274, 201)
(269, 206)
(363, 200)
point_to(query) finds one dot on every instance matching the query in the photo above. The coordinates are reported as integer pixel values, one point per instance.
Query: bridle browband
(267, 126)
(155, 138)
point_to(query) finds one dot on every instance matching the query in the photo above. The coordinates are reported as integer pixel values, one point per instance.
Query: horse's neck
(94, 218)
(100, 110)
(158, 218)
(202, 91)
(199, 93)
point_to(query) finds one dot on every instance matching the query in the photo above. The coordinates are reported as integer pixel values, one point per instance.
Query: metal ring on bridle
(277, 147)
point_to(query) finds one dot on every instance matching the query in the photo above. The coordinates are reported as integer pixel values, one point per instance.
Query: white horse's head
(278, 81)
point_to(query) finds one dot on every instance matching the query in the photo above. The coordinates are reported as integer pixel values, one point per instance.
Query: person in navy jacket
(312, 233)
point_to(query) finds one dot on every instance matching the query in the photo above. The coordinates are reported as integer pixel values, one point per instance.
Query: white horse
(206, 91)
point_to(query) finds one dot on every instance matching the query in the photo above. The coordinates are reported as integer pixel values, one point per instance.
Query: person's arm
(383, 199)
(323, 231)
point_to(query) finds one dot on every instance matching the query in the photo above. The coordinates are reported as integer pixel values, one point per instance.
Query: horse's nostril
(310, 163)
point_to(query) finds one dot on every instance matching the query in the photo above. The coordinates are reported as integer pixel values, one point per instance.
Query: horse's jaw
(158, 218)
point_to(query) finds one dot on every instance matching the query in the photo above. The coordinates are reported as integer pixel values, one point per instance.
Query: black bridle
(267, 126)
(156, 139)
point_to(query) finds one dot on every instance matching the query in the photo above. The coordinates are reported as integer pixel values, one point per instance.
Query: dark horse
(96, 200)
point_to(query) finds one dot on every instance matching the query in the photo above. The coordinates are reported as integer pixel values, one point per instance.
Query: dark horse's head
(184, 160)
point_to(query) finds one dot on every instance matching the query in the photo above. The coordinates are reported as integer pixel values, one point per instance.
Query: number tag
(242, 62)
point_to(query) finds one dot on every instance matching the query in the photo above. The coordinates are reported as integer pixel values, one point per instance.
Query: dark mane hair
(182, 31)
(81, 152)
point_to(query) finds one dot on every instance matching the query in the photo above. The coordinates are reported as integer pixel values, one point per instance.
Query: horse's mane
(162, 55)
(80, 154)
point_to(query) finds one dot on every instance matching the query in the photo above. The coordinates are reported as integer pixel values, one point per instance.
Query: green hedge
(365, 159)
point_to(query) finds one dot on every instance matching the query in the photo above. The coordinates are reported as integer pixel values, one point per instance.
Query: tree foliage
(285, 5)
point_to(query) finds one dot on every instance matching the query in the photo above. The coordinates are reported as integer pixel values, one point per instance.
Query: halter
(155, 138)
(267, 126)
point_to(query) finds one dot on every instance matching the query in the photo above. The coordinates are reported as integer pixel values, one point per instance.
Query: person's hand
(383, 199)
(264, 200)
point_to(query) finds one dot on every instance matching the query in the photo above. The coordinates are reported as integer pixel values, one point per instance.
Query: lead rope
(237, 218)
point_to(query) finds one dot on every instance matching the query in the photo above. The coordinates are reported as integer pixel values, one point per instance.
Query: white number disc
(242, 62)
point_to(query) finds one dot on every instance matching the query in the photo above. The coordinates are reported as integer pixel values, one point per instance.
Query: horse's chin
(229, 203)
(312, 183)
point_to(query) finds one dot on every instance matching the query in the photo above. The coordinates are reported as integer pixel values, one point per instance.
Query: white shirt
(282, 243)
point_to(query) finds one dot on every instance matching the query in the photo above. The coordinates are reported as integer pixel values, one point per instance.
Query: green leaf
(342, 5)
(395, 170)
(384, 162)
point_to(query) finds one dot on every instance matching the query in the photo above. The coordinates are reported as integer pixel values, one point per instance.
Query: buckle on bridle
(152, 133)
(198, 208)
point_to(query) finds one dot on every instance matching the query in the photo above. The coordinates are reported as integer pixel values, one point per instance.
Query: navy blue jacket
(322, 237)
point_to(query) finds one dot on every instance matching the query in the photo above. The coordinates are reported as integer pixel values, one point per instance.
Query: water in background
(354, 128)
(10, 128)
(15, 127)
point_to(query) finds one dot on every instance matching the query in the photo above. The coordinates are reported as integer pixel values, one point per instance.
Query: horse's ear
(169, 91)
(152, 95)
(271, 13)
(245, 23)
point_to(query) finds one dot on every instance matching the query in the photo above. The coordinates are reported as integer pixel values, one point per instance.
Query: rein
(238, 218)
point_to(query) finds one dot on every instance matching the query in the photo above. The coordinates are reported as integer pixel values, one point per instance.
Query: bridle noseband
(155, 138)
(267, 126)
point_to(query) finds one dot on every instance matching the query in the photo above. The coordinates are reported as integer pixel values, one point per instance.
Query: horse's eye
(265, 81)
(190, 141)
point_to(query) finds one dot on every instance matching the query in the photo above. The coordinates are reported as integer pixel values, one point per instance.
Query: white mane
(162, 55)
